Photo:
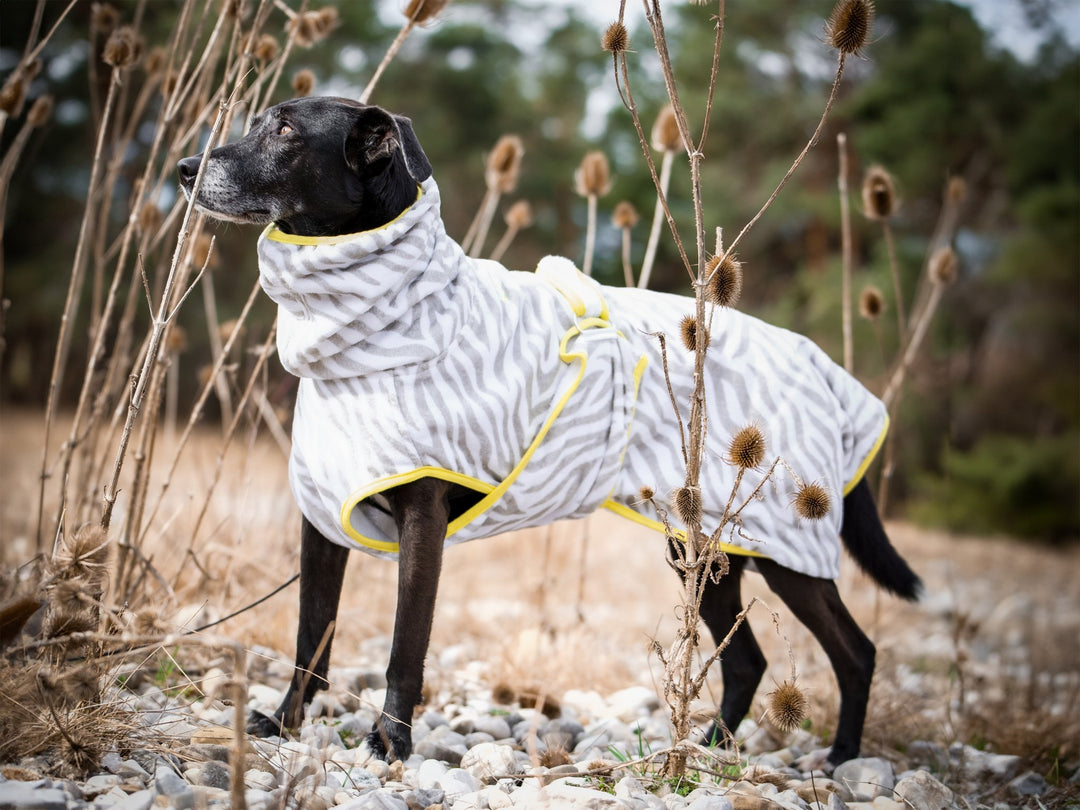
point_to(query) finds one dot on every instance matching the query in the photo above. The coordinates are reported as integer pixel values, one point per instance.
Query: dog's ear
(372, 140)
(419, 166)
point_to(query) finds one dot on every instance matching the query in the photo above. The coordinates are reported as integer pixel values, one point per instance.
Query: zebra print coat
(542, 393)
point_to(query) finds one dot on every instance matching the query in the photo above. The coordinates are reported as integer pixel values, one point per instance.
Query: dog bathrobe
(541, 393)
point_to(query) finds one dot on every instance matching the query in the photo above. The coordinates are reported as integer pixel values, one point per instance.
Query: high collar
(366, 302)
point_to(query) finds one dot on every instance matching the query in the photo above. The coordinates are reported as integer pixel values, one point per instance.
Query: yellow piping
(859, 473)
(628, 513)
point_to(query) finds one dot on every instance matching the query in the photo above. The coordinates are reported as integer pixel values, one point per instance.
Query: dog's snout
(188, 169)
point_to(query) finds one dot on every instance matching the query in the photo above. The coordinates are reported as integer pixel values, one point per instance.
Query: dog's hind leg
(421, 511)
(743, 663)
(322, 570)
(816, 603)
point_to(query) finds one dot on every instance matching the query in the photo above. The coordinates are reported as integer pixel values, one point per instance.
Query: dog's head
(315, 167)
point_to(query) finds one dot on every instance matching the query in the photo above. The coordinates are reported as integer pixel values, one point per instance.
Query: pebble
(472, 754)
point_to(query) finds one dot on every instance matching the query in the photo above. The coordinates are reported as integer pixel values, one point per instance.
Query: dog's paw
(387, 744)
(265, 725)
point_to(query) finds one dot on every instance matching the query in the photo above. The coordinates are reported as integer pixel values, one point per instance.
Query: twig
(846, 253)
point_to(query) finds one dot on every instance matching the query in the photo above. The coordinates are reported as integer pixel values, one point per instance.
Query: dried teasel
(503, 693)
(303, 82)
(625, 216)
(103, 18)
(177, 340)
(943, 266)
(40, 111)
(812, 501)
(879, 194)
(555, 755)
(421, 11)
(519, 215)
(616, 38)
(235, 9)
(747, 448)
(787, 706)
(723, 280)
(122, 49)
(503, 165)
(687, 504)
(85, 551)
(13, 93)
(226, 329)
(266, 48)
(646, 493)
(956, 190)
(312, 27)
(593, 177)
(156, 60)
(150, 218)
(871, 303)
(849, 24)
(688, 331)
(665, 131)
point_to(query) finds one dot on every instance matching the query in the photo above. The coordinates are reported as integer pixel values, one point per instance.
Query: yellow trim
(859, 473)
(493, 492)
(628, 513)
(639, 372)
(273, 234)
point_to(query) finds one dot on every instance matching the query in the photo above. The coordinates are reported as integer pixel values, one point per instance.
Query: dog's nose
(188, 168)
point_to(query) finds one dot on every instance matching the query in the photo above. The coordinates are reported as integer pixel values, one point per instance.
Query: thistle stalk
(846, 253)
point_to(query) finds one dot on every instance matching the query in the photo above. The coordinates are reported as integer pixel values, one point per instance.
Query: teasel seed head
(150, 218)
(103, 18)
(168, 84)
(616, 38)
(266, 48)
(747, 448)
(503, 693)
(201, 251)
(40, 111)
(879, 194)
(235, 9)
(177, 341)
(326, 20)
(687, 503)
(519, 215)
(226, 329)
(156, 60)
(303, 82)
(81, 684)
(68, 596)
(665, 132)
(956, 190)
(122, 48)
(646, 494)
(625, 216)
(420, 11)
(688, 330)
(89, 547)
(503, 165)
(943, 266)
(13, 93)
(723, 280)
(849, 24)
(871, 303)
(593, 176)
(787, 706)
(812, 501)
(312, 27)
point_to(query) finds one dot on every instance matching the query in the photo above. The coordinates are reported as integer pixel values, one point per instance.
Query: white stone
(489, 761)
(866, 777)
(922, 790)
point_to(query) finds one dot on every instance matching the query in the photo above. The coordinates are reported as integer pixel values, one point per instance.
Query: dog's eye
(284, 129)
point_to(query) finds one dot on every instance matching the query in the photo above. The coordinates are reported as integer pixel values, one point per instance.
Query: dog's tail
(866, 541)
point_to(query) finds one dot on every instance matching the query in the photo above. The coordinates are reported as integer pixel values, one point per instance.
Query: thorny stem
(845, 253)
(898, 292)
(158, 330)
(504, 243)
(892, 390)
(806, 149)
(628, 270)
(391, 52)
(590, 236)
(78, 272)
(658, 214)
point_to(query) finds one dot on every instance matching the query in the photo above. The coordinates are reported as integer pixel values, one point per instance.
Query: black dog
(320, 167)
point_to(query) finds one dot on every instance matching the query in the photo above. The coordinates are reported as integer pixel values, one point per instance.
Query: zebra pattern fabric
(542, 393)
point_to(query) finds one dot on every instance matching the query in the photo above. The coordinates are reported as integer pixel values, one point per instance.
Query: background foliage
(990, 427)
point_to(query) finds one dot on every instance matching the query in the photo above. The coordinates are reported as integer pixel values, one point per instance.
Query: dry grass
(511, 602)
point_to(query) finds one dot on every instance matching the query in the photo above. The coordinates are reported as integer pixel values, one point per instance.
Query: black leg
(816, 603)
(743, 663)
(322, 570)
(421, 511)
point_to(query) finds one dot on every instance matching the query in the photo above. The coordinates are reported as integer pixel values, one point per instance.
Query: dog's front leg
(322, 570)
(421, 511)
